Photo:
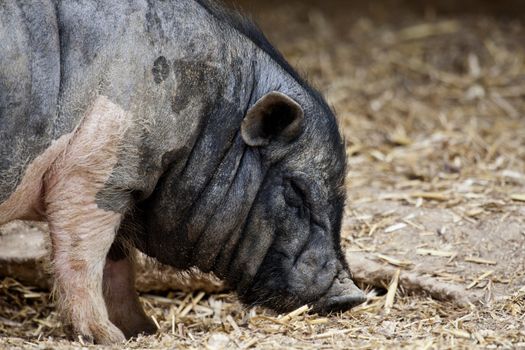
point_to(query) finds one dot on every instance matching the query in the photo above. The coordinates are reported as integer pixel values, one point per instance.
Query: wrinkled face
(297, 219)
(304, 260)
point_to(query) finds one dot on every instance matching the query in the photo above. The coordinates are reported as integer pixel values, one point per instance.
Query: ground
(431, 101)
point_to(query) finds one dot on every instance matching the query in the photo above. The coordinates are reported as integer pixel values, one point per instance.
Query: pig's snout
(342, 295)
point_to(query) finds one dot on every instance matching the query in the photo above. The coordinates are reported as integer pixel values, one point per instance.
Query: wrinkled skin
(173, 127)
(276, 236)
(303, 260)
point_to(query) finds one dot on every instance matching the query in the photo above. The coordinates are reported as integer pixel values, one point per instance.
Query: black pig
(176, 128)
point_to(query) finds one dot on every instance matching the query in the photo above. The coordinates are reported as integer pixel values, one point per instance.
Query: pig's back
(105, 48)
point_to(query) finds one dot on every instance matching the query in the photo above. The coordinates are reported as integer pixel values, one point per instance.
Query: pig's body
(147, 59)
(177, 122)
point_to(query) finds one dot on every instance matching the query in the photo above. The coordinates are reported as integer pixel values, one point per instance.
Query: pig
(174, 128)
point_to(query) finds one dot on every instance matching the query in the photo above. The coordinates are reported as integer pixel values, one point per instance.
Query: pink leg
(122, 301)
(81, 237)
(81, 231)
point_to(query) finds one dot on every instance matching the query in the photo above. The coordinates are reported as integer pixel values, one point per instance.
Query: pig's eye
(293, 194)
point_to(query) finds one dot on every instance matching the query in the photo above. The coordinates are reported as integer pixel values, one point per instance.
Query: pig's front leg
(82, 229)
(81, 236)
(122, 301)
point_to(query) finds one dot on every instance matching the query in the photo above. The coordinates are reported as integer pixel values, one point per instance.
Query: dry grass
(194, 321)
(432, 108)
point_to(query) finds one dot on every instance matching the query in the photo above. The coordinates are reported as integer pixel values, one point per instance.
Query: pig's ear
(274, 117)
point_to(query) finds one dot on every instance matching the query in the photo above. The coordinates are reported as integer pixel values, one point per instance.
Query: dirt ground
(431, 100)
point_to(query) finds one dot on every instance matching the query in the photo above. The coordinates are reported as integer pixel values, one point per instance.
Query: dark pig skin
(176, 128)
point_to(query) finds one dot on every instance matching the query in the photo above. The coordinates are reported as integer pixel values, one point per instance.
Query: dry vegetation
(432, 107)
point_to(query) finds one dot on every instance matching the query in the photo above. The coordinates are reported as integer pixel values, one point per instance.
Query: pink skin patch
(60, 186)
(26, 203)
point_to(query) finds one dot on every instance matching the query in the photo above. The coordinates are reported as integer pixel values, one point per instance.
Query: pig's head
(259, 200)
(290, 254)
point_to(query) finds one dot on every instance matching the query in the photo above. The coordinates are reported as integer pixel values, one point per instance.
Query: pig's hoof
(108, 334)
(138, 325)
(149, 328)
(103, 333)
